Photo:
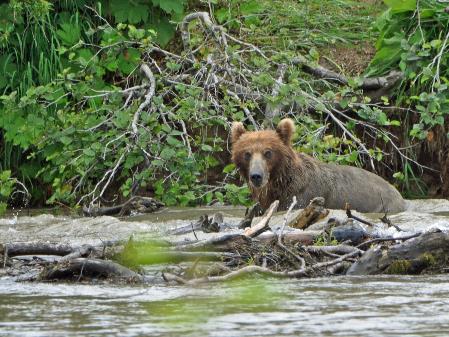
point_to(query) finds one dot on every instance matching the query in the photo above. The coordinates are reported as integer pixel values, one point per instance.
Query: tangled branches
(216, 78)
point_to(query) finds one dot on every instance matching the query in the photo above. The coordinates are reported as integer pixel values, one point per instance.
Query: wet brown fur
(289, 173)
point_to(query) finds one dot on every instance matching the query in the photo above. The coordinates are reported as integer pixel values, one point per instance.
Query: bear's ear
(285, 130)
(236, 131)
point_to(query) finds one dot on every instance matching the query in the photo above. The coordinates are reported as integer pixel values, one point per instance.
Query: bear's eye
(247, 156)
(268, 154)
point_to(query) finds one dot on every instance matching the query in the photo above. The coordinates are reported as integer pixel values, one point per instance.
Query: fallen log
(136, 203)
(78, 268)
(427, 252)
(37, 248)
(227, 242)
(292, 238)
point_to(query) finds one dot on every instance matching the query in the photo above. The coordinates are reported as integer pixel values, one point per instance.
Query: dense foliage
(414, 38)
(71, 86)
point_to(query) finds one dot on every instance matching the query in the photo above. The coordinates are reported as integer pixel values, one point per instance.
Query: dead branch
(351, 216)
(248, 113)
(262, 226)
(339, 249)
(291, 238)
(292, 205)
(369, 83)
(312, 213)
(279, 241)
(270, 113)
(151, 90)
(184, 28)
(249, 270)
(388, 222)
(250, 213)
(403, 238)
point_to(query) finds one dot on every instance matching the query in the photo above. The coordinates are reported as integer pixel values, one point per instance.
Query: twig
(271, 113)
(403, 238)
(281, 232)
(369, 83)
(351, 216)
(245, 109)
(279, 241)
(184, 129)
(388, 222)
(149, 74)
(184, 27)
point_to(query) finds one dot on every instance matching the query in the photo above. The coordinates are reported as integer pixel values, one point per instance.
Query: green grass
(305, 24)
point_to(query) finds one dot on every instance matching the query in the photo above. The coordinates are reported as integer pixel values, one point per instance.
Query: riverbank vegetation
(104, 100)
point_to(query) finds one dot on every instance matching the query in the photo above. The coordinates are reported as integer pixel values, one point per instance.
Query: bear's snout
(258, 174)
(256, 178)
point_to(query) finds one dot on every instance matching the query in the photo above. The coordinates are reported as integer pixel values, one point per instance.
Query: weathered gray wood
(79, 267)
(428, 251)
(36, 248)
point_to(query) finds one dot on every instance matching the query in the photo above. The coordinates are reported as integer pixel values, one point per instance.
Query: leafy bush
(414, 38)
(53, 57)
(6, 188)
(72, 110)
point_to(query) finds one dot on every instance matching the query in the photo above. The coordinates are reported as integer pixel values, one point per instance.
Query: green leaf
(174, 142)
(251, 7)
(132, 12)
(69, 34)
(400, 6)
(122, 119)
(229, 168)
(165, 30)
(128, 60)
(222, 15)
(206, 148)
(170, 6)
(167, 153)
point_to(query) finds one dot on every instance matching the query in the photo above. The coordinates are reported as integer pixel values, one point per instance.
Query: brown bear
(274, 171)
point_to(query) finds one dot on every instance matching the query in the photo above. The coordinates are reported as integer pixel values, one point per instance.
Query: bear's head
(262, 156)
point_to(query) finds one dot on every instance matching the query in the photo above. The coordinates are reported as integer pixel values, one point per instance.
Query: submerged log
(427, 252)
(35, 248)
(78, 268)
(136, 203)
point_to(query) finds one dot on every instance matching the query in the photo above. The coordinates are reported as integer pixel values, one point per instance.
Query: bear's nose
(256, 179)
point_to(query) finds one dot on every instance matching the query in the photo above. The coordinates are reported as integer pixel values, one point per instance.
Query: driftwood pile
(340, 248)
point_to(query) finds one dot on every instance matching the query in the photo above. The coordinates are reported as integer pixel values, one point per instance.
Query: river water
(337, 306)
